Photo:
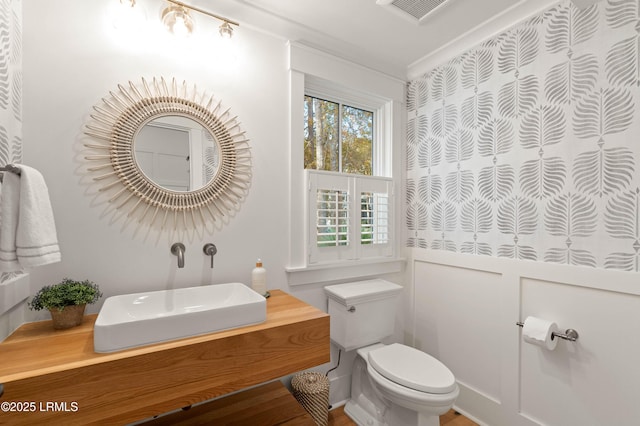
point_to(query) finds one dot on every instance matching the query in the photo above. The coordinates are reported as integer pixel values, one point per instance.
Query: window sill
(327, 272)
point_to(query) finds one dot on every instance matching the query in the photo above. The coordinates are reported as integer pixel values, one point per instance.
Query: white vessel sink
(139, 319)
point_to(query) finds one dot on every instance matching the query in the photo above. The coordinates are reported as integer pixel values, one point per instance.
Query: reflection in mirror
(177, 153)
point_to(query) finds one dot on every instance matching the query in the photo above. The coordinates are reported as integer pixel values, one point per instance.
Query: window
(349, 216)
(337, 137)
(344, 226)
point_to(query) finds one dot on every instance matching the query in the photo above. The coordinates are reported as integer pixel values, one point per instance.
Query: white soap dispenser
(259, 279)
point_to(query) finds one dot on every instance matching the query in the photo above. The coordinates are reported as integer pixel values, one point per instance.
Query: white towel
(9, 203)
(36, 241)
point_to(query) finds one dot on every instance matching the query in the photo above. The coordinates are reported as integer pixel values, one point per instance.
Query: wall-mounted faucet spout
(178, 250)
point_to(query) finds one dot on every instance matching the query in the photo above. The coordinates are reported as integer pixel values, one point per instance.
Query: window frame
(323, 75)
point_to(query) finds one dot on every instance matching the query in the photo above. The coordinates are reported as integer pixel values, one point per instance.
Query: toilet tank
(362, 313)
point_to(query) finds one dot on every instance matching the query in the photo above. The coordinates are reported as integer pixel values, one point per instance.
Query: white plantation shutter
(332, 218)
(349, 216)
(375, 207)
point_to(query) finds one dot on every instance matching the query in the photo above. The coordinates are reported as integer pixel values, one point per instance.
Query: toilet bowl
(399, 385)
(394, 384)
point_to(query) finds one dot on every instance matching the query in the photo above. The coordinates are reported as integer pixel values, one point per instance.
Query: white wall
(74, 60)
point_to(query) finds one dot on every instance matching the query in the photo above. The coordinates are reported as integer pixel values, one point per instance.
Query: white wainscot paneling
(457, 316)
(465, 314)
(591, 382)
(13, 291)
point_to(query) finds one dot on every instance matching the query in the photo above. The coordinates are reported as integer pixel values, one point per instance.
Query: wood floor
(453, 418)
(337, 417)
(271, 404)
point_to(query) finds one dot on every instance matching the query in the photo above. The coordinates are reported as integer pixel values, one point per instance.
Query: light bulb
(180, 28)
(226, 32)
(177, 20)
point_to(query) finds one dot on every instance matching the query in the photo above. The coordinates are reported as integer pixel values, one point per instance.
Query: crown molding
(510, 17)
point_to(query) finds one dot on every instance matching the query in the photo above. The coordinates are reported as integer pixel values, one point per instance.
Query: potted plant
(66, 301)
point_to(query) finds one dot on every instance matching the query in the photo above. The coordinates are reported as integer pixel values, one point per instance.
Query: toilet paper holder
(569, 334)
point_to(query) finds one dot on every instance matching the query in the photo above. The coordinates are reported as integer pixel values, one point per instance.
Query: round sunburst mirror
(168, 155)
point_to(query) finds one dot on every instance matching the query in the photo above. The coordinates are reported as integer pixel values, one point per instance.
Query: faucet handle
(210, 250)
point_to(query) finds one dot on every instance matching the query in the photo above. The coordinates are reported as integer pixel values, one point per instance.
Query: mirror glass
(177, 153)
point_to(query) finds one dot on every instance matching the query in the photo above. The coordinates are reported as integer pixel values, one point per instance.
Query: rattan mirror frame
(113, 126)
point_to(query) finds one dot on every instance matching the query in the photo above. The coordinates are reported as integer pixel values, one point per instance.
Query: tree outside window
(337, 137)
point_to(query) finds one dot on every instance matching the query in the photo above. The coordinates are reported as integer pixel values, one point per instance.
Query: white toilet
(393, 384)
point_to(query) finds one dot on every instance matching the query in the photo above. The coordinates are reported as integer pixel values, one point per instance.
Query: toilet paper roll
(539, 332)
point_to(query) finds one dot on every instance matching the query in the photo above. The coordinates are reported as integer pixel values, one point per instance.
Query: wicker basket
(312, 392)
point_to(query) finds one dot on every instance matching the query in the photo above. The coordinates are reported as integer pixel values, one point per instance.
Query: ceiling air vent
(415, 9)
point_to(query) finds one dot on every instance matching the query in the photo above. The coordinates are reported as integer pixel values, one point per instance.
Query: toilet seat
(412, 368)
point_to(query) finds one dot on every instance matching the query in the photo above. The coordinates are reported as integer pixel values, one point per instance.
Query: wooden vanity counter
(55, 377)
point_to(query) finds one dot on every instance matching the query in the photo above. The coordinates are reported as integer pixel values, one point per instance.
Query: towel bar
(570, 334)
(10, 168)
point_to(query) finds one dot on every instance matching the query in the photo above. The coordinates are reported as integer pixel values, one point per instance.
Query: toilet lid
(412, 368)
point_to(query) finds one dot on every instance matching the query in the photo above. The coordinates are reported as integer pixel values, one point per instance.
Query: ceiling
(379, 37)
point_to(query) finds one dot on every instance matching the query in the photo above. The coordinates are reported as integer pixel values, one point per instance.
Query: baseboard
(339, 390)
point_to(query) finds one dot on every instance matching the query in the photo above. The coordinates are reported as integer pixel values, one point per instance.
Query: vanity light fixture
(177, 14)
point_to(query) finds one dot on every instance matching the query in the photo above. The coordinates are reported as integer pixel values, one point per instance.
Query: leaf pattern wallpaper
(10, 88)
(528, 145)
